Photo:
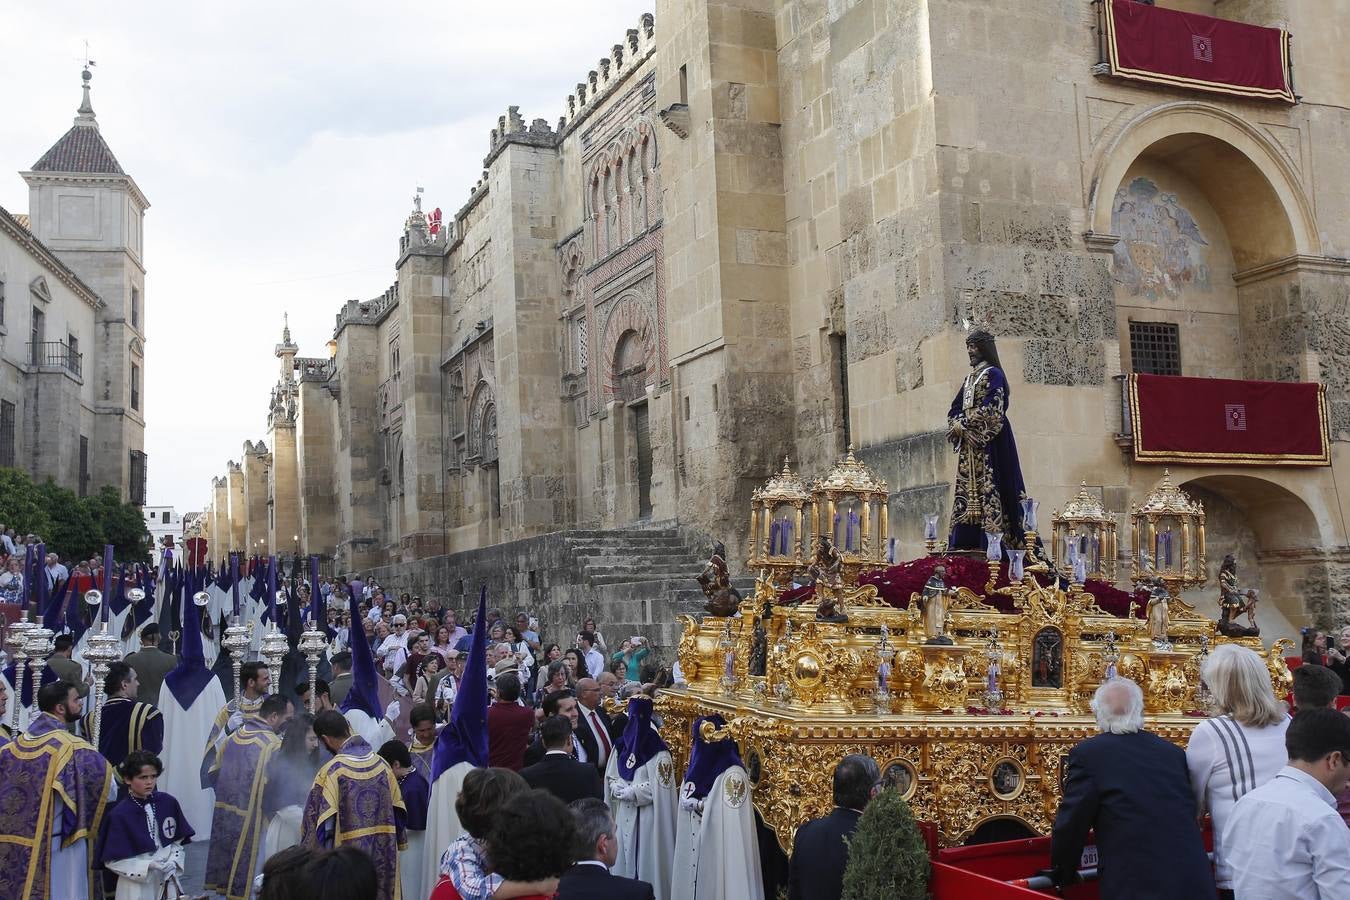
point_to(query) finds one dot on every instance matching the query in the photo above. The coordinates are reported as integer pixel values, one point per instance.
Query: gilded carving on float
(970, 716)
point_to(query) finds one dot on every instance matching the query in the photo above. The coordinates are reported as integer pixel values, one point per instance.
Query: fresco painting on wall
(1161, 250)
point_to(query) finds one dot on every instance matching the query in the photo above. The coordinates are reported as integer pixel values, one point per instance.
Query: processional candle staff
(993, 696)
(38, 641)
(885, 653)
(274, 643)
(16, 639)
(314, 639)
(236, 639)
(104, 647)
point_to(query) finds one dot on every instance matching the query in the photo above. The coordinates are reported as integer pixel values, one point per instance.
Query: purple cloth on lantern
(1000, 454)
(191, 676)
(416, 798)
(126, 829)
(26, 696)
(465, 737)
(639, 741)
(709, 760)
(38, 791)
(356, 800)
(238, 774)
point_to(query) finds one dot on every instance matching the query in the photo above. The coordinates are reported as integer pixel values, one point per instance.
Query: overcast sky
(279, 145)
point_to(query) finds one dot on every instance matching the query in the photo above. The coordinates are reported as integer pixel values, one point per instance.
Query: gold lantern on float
(1167, 531)
(848, 506)
(777, 526)
(1084, 538)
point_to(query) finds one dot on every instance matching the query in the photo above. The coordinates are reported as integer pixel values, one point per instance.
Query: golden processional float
(968, 686)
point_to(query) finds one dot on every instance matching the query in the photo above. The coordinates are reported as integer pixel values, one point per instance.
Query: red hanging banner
(1220, 421)
(1164, 46)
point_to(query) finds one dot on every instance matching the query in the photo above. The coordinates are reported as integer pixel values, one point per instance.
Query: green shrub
(887, 856)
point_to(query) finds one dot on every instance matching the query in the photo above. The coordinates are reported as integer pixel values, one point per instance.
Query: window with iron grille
(135, 386)
(136, 478)
(84, 466)
(1155, 348)
(581, 352)
(6, 433)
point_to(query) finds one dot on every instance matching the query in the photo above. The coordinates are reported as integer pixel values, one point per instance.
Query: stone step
(621, 546)
(642, 566)
(606, 555)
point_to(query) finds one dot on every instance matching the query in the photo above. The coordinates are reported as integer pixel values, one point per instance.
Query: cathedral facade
(72, 319)
(761, 230)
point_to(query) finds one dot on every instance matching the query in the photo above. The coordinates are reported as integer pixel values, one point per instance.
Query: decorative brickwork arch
(629, 328)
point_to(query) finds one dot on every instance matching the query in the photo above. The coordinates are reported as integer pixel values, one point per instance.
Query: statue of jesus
(989, 483)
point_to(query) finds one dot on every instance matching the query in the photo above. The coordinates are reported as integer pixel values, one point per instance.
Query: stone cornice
(1298, 262)
(125, 181)
(42, 254)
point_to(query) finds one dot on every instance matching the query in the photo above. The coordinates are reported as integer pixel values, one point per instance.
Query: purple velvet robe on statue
(356, 800)
(239, 775)
(47, 773)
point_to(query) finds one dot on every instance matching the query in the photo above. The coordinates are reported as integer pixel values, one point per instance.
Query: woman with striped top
(1241, 747)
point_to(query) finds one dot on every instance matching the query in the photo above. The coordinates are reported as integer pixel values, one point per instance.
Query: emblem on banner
(1202, 47)
(1236, 414)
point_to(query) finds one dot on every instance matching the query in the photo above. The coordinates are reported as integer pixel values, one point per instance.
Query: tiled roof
(22, 219)
(81, 149)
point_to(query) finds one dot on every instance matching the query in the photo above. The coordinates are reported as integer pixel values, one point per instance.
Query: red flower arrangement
(896, 583)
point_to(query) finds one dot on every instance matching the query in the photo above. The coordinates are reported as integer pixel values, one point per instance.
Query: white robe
(717, 853)
(375, 731)
(646, 823)
(25, 712)
(137, 881)
(413, 869)
(443, 827)
(283, 831)
(185, 734)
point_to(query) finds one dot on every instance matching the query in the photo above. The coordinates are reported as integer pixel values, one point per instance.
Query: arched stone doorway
(1277, 541)
(1215, 249)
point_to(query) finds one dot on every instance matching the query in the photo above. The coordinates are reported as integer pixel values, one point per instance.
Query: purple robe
(250, 709)
(421, 759)
(239, 775)
(126, 726)
(45, 773)
(126, 828)
(416, 798)
(356, 800)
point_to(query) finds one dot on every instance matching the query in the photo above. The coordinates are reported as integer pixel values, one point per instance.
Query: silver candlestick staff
(16, 638)
(103, 649)
(274, 647)
(312, 644)
(38, 646)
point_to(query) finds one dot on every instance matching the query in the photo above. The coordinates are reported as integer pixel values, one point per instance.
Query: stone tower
(283, 476)
(86, 209)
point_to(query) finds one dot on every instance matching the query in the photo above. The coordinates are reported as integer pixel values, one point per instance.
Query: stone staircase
(637, 580)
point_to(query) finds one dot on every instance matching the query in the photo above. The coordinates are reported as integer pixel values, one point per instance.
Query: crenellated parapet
(638, 45)
(313, 368)
(233, 468)
(366, 312)
(511, 129)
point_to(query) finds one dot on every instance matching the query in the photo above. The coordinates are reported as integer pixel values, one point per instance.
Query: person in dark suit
(597, 848)
(151, 665)
(1134, 789)
(342, 677)
(594, 730)
(559, 703)
(67, 669)
(820, 850)
(558, 773)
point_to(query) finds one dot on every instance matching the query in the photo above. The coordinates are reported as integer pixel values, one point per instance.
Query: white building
(161, 521)
(72, 319)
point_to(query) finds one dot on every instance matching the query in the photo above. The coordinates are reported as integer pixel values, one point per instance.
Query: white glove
(692, 804)
(620, 789)
(392, 712)
(164, 866)
(235, 721)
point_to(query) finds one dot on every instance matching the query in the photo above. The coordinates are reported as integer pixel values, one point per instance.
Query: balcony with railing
(56, 355)
(1141, 42)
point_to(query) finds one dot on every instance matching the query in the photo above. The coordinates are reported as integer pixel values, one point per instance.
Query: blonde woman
(1241, 747)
